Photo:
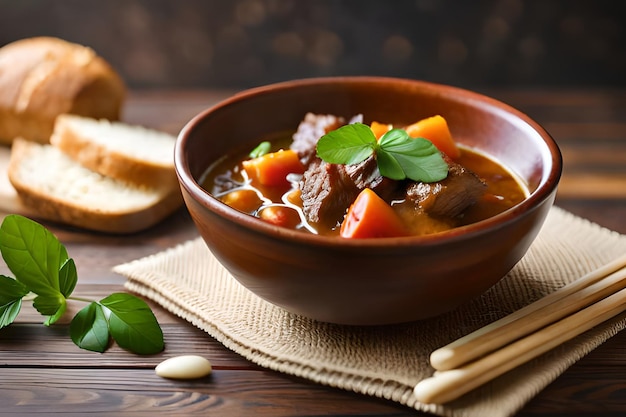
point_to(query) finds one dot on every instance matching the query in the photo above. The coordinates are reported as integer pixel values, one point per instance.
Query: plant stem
(85, 300)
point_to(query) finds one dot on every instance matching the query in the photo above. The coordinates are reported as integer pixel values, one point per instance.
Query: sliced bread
(62, 190)
(43, 77)
(114, 149)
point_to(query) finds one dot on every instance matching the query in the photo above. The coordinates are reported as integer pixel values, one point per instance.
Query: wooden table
(43, 373)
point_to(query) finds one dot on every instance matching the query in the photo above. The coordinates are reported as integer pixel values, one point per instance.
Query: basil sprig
(42, 266)
(260, 150)
(398, 155)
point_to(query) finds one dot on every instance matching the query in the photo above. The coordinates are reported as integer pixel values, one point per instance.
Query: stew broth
(227, 181)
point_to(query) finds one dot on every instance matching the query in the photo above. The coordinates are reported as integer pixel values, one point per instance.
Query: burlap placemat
(384, 361)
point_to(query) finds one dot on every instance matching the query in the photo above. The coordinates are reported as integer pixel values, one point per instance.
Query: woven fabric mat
(384, 361)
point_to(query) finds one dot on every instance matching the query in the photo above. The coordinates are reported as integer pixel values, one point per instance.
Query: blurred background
(243, 43)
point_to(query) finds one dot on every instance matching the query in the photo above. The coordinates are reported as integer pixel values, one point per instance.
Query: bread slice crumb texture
(148, 145)
(47, 170)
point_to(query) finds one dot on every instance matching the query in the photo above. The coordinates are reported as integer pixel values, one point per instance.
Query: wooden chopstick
(539, 314)
(448, 385)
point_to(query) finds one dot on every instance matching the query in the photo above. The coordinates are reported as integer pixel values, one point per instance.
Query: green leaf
(133, 325)
(52, 306)
(389, 166)
(349, 144)
(398, 156)
(89, 329)
(32, 253)
(41, 265)
(417, 158)
(11, 294)
(9, 311)
(68, 277)
(397, 141)
(261, 149)
(431, 168)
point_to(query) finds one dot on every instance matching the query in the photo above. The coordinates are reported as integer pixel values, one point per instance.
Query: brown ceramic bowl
(368, 281)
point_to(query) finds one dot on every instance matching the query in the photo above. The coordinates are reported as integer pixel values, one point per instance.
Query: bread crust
(51, 206)
(115, 223)
(43, 77)
(109, 162)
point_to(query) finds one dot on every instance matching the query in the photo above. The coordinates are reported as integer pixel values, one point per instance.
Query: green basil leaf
(398, 156)
(89, 329)
(389, 166)
(11, 294)
(9, 312)
(261, 149)
(394, 137)
(32, 253)
(418, 158)
(133, 325)
(41, 265)
(397, 141)
(430, 168)
(52, 306)
(349, 144)
(68, 277)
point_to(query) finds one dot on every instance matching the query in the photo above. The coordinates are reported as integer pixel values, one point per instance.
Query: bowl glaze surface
(368, 281)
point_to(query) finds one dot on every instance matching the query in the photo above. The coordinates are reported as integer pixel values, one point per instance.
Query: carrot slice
(436, 130)
(243, 200)
(272, 168)
(370, 216)
(380, 129)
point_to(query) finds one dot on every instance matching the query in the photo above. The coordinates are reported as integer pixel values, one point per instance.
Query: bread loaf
(119, 150)
(60, 189)
(43, 77)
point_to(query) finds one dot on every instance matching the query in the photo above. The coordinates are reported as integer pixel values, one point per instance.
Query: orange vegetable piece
(272, 168)
(436, 130)
(280, 216)
(295, 197)
(380, 129)
(370, 216)
(243, 200)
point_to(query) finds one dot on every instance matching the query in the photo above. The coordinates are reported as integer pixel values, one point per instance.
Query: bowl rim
(546, 187)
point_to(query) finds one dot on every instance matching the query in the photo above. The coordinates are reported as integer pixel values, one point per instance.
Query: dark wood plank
(26, 344)
(594, 386)
(103, 391)
(169, 110)
(599, 378)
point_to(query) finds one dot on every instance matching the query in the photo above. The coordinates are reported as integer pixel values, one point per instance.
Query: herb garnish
(398, 155)
(41, 266)
(260, 150)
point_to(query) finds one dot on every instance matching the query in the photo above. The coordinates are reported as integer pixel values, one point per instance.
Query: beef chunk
(326, 192)
(309, 131)
(449, 197)
(329, 189)
(366, 175)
